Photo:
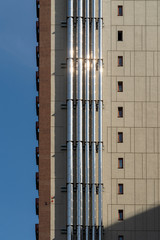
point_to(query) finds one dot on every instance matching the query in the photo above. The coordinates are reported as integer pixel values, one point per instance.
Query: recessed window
(120, 214)
(120, 163)
(120, 61)
(120, 35)
(120, 237)
(120, 86)
(120, 137)
(120, 10)
(120, 188)
(120, 112)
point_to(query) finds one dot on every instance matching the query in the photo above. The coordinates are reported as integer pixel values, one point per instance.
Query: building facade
(98, 127)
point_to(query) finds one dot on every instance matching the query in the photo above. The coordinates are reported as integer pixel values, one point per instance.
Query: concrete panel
(117, 173)
(129, 114)
(150, 140)
(128, 38)
(126, 145)
(151, 12)
(151, 38)
(128, 196)
(140, 143)
(129, 165)
(129, 12)
(138, 114)
(139, 12)
(140, 89)
(138, 166)
(152, 111)
(129, 218)
(117, 121)
(128, 89)
(150, 64)
(139, 63)
(116, 20)
(140, 191)
(116, 70)
(138, 37)
(150, 191)
(154, 89)
(152, 166)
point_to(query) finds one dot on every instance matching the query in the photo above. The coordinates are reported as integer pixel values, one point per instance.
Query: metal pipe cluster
(79, 118)
(87, 114)
(100, 138)
(70, 56)
(93, 117)
(86, 67)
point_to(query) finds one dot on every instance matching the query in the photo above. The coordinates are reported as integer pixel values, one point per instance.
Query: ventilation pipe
(79, 118)
(93, 83)
(70, 120)
(87, 75)
(100, 125)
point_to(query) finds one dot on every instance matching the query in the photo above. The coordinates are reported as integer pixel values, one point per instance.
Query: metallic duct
(70, 120)
(79, 118)
(100, 125)
(93, 82)
(87, 101)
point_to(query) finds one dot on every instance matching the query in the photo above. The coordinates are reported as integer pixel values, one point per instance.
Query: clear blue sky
(17, 119)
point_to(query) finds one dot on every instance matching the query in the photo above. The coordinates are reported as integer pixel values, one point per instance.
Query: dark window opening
(120, 163)
(120, 215)
(120, 35)
(120, 112)
(120, 86)
(120, 10)
(120, 61)
(120, 137)
(120, 237)
(120, 188)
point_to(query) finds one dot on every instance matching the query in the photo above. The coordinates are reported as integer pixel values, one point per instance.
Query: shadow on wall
(142, 226)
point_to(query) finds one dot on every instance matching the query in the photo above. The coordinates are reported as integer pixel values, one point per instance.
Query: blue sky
(17, 119)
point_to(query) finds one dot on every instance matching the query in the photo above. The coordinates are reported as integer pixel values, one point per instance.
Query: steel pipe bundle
(87, 110)
(100, 125)
(79, 118)
(88, 61)
(70, 120)
(93, 83)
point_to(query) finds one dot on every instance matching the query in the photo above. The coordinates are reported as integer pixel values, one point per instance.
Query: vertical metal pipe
(93, 81)
(70, 120)
(79, 119)
(100, 125)
(87, 75)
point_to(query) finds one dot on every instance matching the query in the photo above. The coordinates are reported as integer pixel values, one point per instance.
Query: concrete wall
(140, 122)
